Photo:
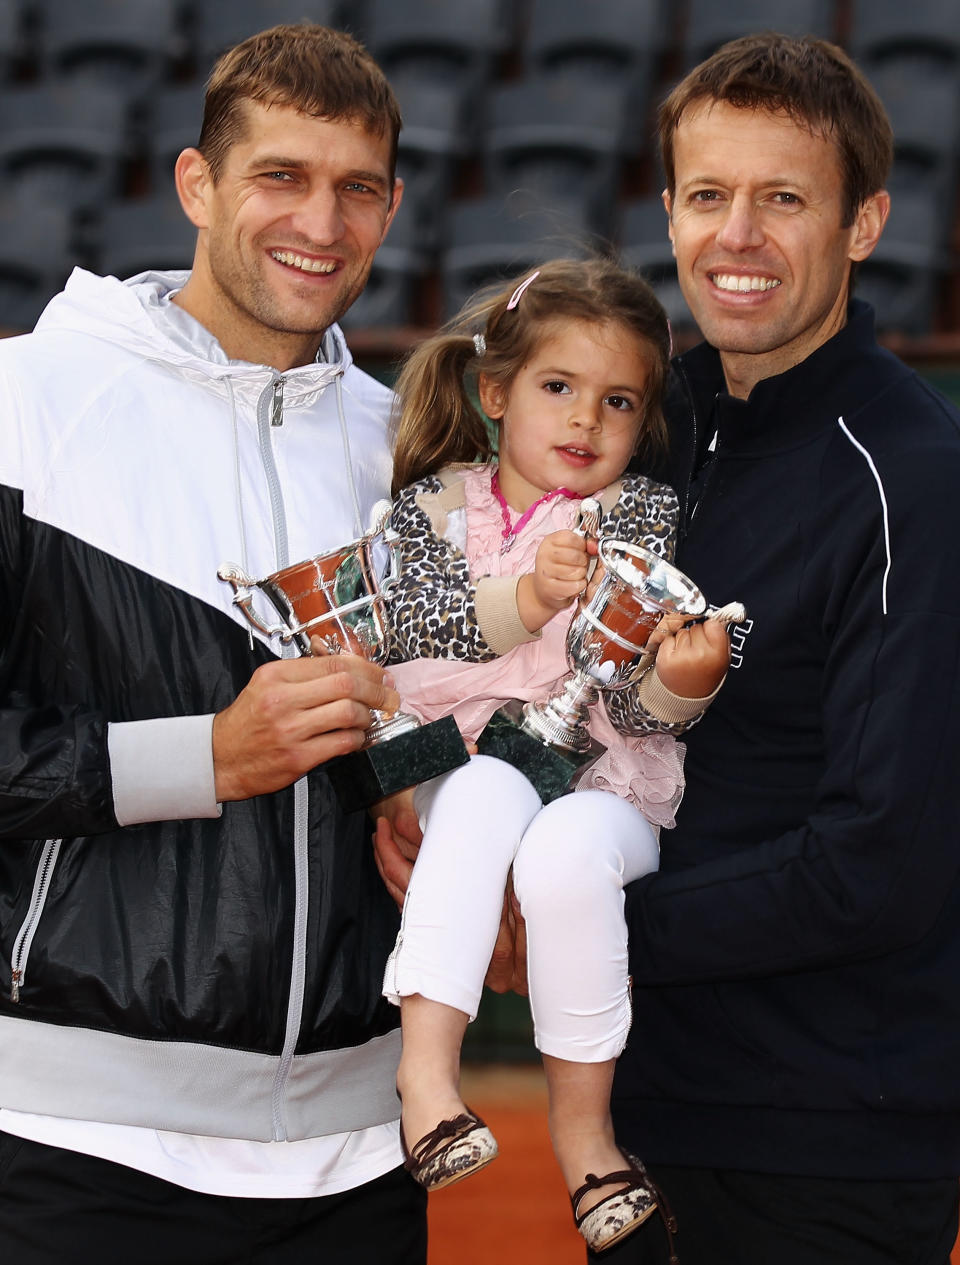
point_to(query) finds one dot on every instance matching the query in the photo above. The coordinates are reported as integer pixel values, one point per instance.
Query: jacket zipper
(276, 408)
(706, 475)
(685, 523)
(21, 946)
(270, 416)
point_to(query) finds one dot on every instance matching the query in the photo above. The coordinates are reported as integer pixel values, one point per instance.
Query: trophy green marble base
(363, 777)
(549, 769)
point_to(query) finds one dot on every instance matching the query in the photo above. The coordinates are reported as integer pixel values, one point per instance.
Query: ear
(668, 204)
(493, 398)
(192, 177)
(395, 199)
(868, 225)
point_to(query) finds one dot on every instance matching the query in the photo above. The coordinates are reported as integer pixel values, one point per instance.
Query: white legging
(570, 858)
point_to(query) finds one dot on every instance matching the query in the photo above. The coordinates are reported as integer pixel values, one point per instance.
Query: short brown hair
(317, 70)
(810, 80)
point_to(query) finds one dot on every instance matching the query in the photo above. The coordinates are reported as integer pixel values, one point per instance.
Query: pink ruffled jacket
(466, 652)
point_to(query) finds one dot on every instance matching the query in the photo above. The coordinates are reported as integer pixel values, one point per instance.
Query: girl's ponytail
(437, 422)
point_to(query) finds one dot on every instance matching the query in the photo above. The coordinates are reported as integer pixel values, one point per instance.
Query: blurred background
(528, 133)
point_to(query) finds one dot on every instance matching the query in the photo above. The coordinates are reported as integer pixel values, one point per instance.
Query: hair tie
(518, 293)
(480, 345)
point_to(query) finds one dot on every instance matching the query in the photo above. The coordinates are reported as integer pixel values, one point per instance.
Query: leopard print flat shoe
(622, 1211)
(455, 1149)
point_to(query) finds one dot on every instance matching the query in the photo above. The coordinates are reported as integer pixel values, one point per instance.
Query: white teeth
(305, 265)
(730, 281)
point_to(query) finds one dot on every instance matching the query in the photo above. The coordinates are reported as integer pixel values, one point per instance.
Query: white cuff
(162, 769)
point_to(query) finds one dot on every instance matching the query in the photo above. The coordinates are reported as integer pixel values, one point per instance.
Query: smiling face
(572, 414)
(756, 224)
(288, 231)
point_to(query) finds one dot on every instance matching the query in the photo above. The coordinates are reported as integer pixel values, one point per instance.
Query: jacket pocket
(24, 938)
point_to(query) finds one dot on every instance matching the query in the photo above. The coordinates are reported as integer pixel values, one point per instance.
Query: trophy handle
(731, 613)
(240, 582)
(589, 520)
(391, 540)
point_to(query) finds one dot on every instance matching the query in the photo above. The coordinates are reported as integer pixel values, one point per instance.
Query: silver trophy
(606, 643)
(606, 650)
(341, 598)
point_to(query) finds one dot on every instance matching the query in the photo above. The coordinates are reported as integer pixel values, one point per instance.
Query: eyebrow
(280, 161)
(557, 372)
(772, 182)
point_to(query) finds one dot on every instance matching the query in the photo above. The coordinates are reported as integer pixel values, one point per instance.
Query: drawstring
(238, 487)
(345, 438)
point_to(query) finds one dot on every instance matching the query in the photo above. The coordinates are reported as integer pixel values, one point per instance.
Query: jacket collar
(137, 315)
(792, 406)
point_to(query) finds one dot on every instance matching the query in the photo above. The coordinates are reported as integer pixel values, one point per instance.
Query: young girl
(570, 365)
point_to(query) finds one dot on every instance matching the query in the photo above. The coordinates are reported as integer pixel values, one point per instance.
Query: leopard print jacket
(433, 610)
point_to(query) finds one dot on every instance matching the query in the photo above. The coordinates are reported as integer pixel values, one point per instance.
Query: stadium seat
(171, 123)
(455, 41)
(398, 265)
(549, 135)
(433, 142)
(492, 238)
(710, 24)
(12, 38)
(37, 253)
(645, 247)
(922, 98)
(132, 44)
(618, 37)
(64, 142)
(138, 234)
(219, 24)
(882, 28)
(902, 276)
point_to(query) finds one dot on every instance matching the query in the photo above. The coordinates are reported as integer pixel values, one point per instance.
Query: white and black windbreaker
(167, 963)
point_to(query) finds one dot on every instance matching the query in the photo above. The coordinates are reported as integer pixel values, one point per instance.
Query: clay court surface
(517, 1208)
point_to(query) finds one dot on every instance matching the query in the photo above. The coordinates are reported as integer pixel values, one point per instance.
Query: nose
(318, 217)
(587, 414)
(740, 229)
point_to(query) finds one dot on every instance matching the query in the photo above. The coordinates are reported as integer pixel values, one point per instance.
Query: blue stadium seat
(38, 250)
(389, 297)
(492, 238)
(617, 38)
(903, 275)
(710, 24)
(551, 135)
(171, 123)
(138, 234)
(13, 48)
(433, 142)
(219, 24)
(65, 142)
(922, 98)
(882, 28)
(458, 42)
(132, 44)
(645, 247)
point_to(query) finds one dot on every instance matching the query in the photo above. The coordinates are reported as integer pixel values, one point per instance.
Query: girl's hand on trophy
(692, 659)
(292, 715)
(557, 580)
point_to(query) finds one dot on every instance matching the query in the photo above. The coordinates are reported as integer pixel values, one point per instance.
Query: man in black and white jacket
(195, 1059)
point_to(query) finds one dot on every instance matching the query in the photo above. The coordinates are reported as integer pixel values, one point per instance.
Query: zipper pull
(15, 985)
(276, 410)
